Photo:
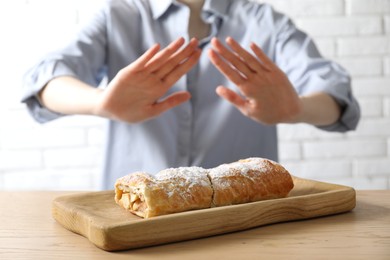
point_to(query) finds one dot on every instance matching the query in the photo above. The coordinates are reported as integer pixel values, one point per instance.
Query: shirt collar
(217, 7)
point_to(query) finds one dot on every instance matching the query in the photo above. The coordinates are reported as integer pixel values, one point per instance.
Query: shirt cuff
(349, 118)
(35, 80)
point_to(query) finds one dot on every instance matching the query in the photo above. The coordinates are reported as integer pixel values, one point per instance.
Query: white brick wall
(65, 154)
(340, 25)
(367, 7)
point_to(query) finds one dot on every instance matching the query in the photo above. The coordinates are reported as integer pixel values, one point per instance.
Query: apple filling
(133, 202)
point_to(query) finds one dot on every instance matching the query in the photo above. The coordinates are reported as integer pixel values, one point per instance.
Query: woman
(190, 82)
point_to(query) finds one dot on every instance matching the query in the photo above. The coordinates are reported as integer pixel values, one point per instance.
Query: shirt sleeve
(83, 57)
(297, 55)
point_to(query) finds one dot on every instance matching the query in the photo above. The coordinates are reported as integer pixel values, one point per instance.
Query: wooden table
(28, 231)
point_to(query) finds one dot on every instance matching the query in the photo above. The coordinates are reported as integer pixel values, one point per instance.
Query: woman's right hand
(135, 94)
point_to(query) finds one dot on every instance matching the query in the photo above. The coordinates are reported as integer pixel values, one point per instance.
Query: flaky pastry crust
(187, 188)
(171, 190)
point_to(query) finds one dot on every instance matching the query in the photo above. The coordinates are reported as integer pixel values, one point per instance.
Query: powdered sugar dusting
(134, 177)
(225, 175)
(186, 188)
(184, 177)
(243, 167)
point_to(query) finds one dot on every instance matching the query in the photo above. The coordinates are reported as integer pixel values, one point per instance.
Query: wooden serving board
(96, 216)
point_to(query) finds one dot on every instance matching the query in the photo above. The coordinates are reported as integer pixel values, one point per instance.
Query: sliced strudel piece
(171, 190)
(249, 180)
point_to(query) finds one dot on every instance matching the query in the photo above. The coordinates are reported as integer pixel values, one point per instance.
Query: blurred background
(66, 154)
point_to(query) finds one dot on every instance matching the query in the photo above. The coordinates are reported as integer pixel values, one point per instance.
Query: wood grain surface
(28, 231)
(96, 216)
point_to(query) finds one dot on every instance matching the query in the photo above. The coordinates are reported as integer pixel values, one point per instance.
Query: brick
(15, 159)
(372, 167)
(357, 46)
(371, 86)
(386, 65)
(322, 170)
(378, 183)
(326, 46)
(289, 151)
(32, 180)
(341, 26)
(344, 148)
(48, 179)
(372, 127)
(12, 99)
(386, 108)
(371, 106)
(361, 183)
(287, 132)
(77, 121)
(296, 132)
(296, 8)
(19, 117)
(387, 24)
(367, 6)
(388, 148)
(362, 67)
(85, 179)
(44, 138)
(73, 157)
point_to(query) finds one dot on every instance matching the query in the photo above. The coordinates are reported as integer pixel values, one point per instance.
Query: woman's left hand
(266, 94)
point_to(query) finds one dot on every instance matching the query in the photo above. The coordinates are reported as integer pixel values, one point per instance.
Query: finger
(176, 73)
(177, 59)
(231, 57)
(249, 59)
(231, 96)
(229, 72)
(160, 58)
(169, 102)
(267, 63)
(140, 63)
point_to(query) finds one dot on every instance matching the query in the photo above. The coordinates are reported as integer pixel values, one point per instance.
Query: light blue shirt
(207, 130)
